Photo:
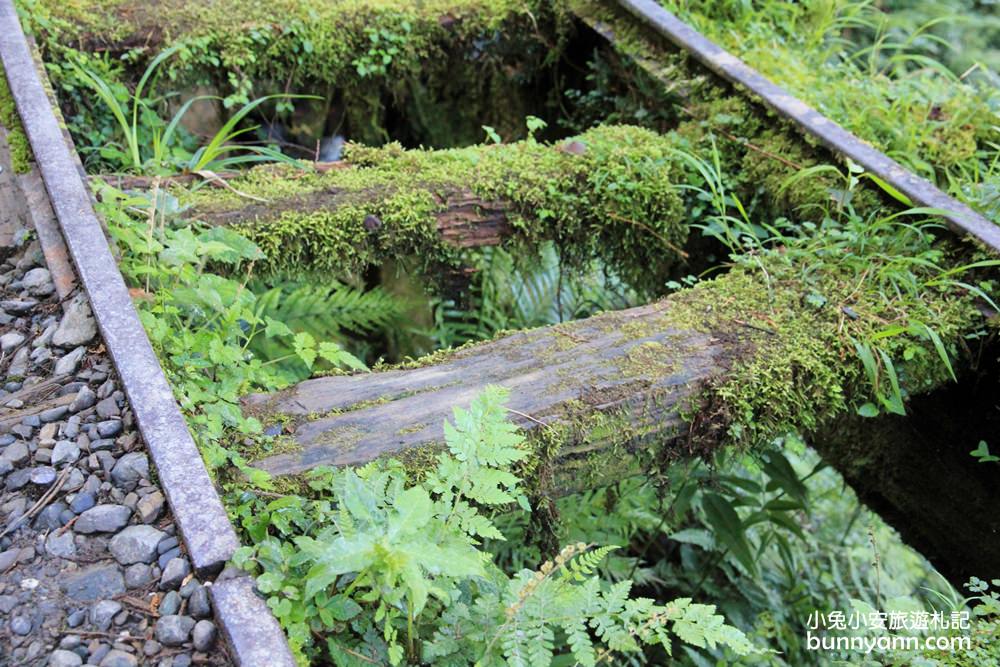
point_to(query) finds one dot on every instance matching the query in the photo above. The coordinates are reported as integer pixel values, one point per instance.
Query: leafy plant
(202, 321)
(141, 126)
(392, 570)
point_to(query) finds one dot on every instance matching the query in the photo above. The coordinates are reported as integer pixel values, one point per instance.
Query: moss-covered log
(611, 191)
(745, 358)
(427, 70)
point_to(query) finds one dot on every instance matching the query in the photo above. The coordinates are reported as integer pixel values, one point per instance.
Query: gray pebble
(173, 630)
(173, 573)
(135, 544)
(203, 635)
(170, 604)
(77, 326)
(102, 613)
(130, 469)
(53, 414)
(61, 546)
(65, 451)
(85, 399)
(117, 658)
(43, 475)
(103, 519)
(199, 604)
(110, 428)
(138, 575)
(21, 625)
(61, 658)
(68, 364)
(82, 502)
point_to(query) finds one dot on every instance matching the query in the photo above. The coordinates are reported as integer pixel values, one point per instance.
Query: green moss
(17, 140)
(801, 369)
(612, 194)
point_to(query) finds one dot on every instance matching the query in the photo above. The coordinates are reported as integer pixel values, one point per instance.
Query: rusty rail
(254, 635)
(960, 217)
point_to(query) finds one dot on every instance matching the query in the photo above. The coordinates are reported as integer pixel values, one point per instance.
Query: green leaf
(868, 409)
(728, 529)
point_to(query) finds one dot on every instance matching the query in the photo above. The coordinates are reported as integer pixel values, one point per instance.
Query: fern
(324, 312)
(396, 571)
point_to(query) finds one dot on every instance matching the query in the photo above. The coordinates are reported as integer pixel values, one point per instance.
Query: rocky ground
(91, 571)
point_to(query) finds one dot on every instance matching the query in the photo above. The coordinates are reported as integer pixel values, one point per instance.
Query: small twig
(652, 231)
(748, 325)
(46, 498)
(527, 416)
(573, 338)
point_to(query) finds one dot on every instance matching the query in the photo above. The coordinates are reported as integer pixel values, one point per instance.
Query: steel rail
(254, 635)
(960, 217)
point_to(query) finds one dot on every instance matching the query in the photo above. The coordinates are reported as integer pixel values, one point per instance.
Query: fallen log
(609, 192)
(746, 354)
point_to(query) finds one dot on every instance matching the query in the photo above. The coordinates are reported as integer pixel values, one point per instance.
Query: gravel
(89, 560)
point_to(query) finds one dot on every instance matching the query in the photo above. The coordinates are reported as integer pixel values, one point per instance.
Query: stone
(174, 573)
(65, 451)
(38, 282)
(21, 625)
(199, 604)
(168, 556)
(10, 340)
(108, 408)
(43, 475)
(94, 582)
(173, 630)
(53, 414)
(170, 604)
(62, 658)
(7, 603)
(109, 428)
(74, 481)
(18, 306)
(138, 575)
(149, 507)
(82, 502)
(19, 364)
(77, 326)
(8, 558)
(117, 658)
(76, 619)
(203, 635)
(136, 544)
(102, 613)
(50, 518)
(130, 469)
(103, 519)
(16, 453)
(167, 544)
(61, 545)
(67, 364)
(85, 399)
(18, 479)
(151, 647)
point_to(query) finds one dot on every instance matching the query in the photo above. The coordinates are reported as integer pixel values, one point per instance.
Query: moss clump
(17, 140)
(609, 192)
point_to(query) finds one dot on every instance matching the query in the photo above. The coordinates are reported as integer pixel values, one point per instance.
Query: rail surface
(960, 217)
(253, 633)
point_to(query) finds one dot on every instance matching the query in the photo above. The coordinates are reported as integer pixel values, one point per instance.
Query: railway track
(58, 202)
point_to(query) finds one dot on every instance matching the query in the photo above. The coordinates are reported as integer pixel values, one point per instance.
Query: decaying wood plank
(623, 377)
